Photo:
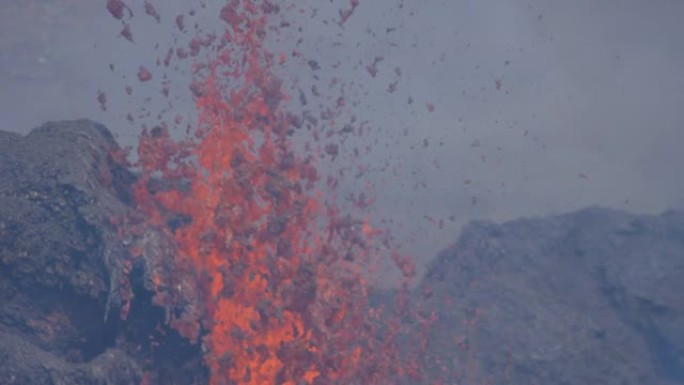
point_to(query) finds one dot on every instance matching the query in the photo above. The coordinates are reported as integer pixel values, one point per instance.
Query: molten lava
(275, 272)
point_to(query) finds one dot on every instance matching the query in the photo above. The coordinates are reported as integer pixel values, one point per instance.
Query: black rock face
(592, 297)
(57, 253)
(61, 263)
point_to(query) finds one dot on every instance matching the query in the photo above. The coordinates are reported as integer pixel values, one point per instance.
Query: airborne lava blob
(265, 272)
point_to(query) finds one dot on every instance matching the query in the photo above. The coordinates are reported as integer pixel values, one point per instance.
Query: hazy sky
(539, 106)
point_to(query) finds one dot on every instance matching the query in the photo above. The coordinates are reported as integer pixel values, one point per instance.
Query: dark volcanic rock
(59, 255)
(23, 363)
(593, 297)
(56, 197)
(62, 263)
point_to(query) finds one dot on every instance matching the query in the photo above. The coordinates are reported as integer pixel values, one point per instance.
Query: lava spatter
(262, 270)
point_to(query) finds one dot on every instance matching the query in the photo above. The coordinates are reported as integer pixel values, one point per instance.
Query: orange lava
(281, 298)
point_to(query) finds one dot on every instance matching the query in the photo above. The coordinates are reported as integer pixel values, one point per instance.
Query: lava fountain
(259, 267)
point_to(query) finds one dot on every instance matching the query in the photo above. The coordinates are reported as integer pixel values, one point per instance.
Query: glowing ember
(261, 270)
(144, 74)
(117, 7)
(126, 33)
(151, 11)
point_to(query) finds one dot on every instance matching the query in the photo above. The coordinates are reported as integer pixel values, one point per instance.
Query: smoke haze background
(539, 106)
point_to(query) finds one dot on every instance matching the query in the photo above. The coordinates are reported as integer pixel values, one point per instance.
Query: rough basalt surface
(62, 263)
(591, 297)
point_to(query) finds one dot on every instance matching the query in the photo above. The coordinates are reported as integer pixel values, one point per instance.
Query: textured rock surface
(58, 256)
(61, 261)
(592, 297)
(24, 363)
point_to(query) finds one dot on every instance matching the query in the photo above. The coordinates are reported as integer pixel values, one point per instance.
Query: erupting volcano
(253, 257)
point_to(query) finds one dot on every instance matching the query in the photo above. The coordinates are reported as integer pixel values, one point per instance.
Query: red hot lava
(276, 273)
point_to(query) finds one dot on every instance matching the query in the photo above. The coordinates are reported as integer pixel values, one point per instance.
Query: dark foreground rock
(61, 264)
(25, 363)
(592, 297)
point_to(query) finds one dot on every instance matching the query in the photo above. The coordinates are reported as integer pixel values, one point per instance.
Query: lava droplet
(144, 74)
(117, 7)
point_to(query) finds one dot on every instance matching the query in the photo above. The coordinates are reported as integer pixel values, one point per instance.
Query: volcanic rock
(591, 297)
(62, 263)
